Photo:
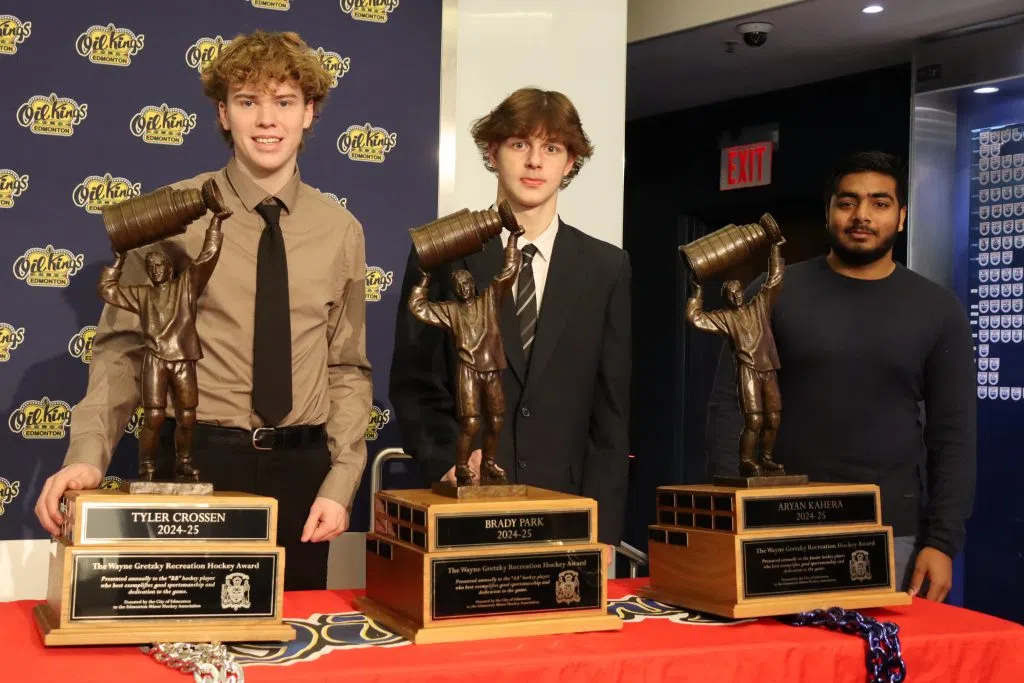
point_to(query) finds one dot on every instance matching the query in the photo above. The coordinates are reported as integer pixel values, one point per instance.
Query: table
(657, 643)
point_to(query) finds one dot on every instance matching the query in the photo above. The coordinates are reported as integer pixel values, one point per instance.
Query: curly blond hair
(530, 111)
(262, 58)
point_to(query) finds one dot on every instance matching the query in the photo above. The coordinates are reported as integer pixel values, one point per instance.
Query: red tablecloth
(940, 643)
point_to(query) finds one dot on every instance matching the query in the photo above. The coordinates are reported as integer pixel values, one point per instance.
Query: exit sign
(746, 166)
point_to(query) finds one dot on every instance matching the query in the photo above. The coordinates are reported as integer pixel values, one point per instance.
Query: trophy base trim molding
(445, 488)
(173, 488)
(519, 627)
(761, 482)
(55, 635)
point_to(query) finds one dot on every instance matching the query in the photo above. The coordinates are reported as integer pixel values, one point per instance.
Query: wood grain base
(766, 607)
(512, 628)
(127, 634)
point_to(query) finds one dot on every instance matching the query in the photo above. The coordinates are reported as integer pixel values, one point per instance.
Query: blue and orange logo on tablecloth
(279, 5)
(11, 338)
(162, 125)
(9, 490)
(51, 115)
(378, 418)
(109, 45)
(47, 267)
(366, 143)
(12, 186)
(201, 53)
(13, 32)
(333, 63)
(80, 345)
(96, 193)
(42, 419)
(376, 11)
(377, 282)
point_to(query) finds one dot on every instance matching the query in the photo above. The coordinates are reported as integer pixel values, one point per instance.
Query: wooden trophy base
(144, 568)
(441, 569)
(767, 551)
(53, 635)
(449, 490)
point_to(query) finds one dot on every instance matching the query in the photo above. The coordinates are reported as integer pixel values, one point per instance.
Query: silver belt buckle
(255, 433)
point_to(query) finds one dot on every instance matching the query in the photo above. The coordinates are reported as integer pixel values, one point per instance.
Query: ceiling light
(987, 90)
(872, 9)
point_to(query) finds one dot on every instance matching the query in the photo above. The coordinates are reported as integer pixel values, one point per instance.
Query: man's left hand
(936, 567)
(327, 519)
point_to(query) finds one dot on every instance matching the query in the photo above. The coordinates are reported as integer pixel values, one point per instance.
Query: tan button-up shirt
(331, 381)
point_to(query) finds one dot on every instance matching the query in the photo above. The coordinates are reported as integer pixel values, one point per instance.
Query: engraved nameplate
(809, 510)
(514, 528)
(805, 564)
(112, 585)
(141, 522)
(516, 584)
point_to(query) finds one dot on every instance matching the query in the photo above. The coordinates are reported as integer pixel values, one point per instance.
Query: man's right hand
(79, 476)
(474, 464)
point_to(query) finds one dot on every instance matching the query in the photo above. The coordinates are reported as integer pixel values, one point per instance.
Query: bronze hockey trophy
(468, 559)
(766, 542)
(164, 561)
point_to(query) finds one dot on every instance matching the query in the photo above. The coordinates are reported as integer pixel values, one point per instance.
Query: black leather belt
(261, 438)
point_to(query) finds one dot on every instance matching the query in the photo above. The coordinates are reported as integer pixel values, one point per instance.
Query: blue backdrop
(101, 101)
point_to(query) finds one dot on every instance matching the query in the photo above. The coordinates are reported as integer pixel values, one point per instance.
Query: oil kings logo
(200, 53)
(43, 419)
(111, 482)
(377, 282)
(366, 143)
(378, 418)
(162, 125)
(279, 5)
(376, 11)
(95, 193)
(47, 267)
(333, 197)
(80, 345)
(13, 31)
(51, 115)
(333, 63)
(11, 338)
(135, 423)
(9, 490)
(12, 185)
(109, 45)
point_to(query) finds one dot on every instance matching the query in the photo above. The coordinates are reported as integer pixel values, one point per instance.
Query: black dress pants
(292, 476)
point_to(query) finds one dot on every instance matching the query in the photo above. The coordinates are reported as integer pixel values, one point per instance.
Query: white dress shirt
(545, 242)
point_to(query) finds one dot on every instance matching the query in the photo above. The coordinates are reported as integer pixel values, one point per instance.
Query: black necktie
(272, 344)
(526, 300)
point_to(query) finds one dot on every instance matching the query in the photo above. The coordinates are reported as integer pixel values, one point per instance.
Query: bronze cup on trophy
(164, 560)
(459, 234)
(763, 543)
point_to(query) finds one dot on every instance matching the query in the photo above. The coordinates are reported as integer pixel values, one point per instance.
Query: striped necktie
(526, 300)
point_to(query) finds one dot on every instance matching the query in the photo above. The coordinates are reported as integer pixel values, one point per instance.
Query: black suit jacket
(567, 414)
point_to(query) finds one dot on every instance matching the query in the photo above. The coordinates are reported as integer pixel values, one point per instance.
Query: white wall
(492, 47)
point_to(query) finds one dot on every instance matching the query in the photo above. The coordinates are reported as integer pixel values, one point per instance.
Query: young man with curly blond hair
(565, 329)
(284, 381)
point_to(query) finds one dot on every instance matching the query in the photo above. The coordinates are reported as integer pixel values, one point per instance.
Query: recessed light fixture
(987, 90)
(872, 9)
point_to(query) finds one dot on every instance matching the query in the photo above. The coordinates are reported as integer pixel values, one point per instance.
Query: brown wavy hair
(260, 58)
(530, 111)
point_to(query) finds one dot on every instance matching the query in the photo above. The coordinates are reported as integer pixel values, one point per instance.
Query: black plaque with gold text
(518, 528)
(110, 585)
(141, 522)
(515, 584)
(809, 510)
(829, 562)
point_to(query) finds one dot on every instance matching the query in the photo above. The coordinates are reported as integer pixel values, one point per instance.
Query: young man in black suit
(566, 328)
